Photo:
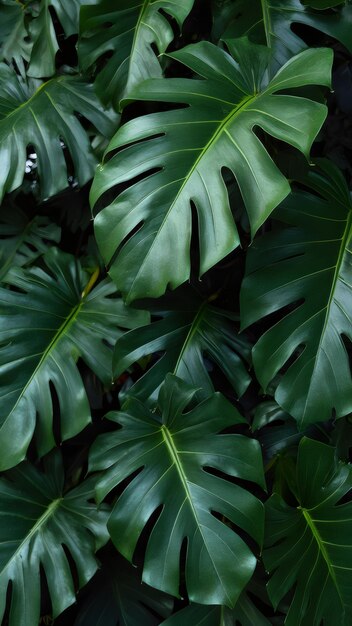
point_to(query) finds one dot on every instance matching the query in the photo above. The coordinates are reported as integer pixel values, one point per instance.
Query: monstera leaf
(187, 337)
(43, 118)
(175, 458)
(14, 44)
(130, 31)
(22, 240)
(306, 264)
(39, 524)
(270, 22)
(309, 546)
(48, 322)
(245, 613)
(116, 597)
(43, 35)
(180, 155)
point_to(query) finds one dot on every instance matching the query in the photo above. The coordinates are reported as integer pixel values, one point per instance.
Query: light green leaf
(191, 335)
(167, 453)
(305, 264)
(45, 326)
(116, 597)
(41, 118)
(38, 523)
(309, 547)
(130, 31)
(22, 240)
(181, 153)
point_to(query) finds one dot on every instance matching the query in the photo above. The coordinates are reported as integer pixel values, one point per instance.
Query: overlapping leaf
(245, 613)
(185, 339)
(180, 155)
(46, 324)
(14, 44)
(129, 31)
(270, 22)
(22, 240)
(38, 524)
(168, 455)
(116, 597)
(306, 264)
(309, 546)
(44, 118)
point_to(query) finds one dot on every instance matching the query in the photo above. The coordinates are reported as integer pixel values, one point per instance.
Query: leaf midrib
(38, 524)
(322, 549)
(191, 332)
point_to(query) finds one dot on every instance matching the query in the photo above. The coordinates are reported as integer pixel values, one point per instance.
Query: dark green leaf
(245, 613)
(40, 118)
(189, 147)
(13, 34)
(116, 597)
(170, 453)
(307, 265)
(309, 547)
(187, 337)
(22, 240)
(38, 524)
(46, 325)
(129, 31)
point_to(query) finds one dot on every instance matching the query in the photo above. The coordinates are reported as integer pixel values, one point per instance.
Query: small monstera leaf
(44, 118)
(129, 30)
(270, 22)
(14, 44)
(188, 339)
(180, 155)
(175, 456)
(39, 523)
(43, 35)
(309, 547)
(46, 324)
(116, 597)
(307, 264)
(22, 240)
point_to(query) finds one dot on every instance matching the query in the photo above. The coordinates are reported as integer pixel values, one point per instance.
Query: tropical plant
(175, 312)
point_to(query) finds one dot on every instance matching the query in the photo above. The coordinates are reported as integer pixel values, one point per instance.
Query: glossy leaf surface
(309, 547)
(306, 264)
(45, 326)
(39, 524)
(168, 452)
(132, 32)
(180, 155)
(41, 118)
(188, 340)
(245, 613)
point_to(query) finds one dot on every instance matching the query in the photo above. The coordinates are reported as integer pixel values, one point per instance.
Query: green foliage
(185, 459)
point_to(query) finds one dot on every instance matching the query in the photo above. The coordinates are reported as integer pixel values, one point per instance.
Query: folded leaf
(309, 547)
(180, 155)
(305, 264)
(168, 456)
(39, 524)
(46, 324)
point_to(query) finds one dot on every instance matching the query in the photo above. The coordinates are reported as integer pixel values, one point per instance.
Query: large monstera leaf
(167, 453)
(180, 155)
(23, 240)
(306, 264)
(188, 339)
(46, 324)
(39, 523)
(309, 546)
(44, 118)
(270, 22)
(128, 30)
(116, 597)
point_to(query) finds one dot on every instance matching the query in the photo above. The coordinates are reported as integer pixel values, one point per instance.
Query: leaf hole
(182, 589)
(141, 546)
(72, 566)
